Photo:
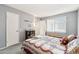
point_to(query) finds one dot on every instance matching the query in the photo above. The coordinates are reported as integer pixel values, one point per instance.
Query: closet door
(12, 29)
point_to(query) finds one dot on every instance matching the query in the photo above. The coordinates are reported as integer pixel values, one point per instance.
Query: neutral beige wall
(40, 26)
(37, 28)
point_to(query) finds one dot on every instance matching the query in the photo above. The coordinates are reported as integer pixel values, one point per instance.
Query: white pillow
(72, 44)
(71, 37)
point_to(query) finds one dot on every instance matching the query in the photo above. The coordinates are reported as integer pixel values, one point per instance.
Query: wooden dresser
(29, 34)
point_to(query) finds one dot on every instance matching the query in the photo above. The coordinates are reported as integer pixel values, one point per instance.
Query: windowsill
(55, 34)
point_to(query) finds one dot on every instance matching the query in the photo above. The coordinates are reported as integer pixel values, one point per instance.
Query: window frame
(54, 25)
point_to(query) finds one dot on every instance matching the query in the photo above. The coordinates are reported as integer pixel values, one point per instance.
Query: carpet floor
(15, 49)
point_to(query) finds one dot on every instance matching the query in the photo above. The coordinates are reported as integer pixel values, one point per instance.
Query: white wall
(37, 26)
(2, 28)
(78, 23)
(40, 26)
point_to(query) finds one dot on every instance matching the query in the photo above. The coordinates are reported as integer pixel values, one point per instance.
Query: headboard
(55, 34)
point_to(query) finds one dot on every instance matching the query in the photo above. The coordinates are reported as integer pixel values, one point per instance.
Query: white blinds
(57, 24)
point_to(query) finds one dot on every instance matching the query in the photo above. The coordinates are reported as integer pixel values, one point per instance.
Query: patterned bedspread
(48, 45)
(45, 45)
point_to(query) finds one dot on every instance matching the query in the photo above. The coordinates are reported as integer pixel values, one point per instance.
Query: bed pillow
(71, 45)
(71, 37)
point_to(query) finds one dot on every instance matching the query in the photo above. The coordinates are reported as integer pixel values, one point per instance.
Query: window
(57, 24)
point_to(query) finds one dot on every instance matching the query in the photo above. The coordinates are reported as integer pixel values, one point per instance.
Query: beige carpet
(15, 49)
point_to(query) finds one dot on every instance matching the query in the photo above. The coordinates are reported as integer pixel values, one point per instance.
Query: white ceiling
(42, 10)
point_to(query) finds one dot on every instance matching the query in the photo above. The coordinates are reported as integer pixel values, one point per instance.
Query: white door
(12, 34)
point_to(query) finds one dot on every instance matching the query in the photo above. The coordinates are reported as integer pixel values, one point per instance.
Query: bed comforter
(44, 45)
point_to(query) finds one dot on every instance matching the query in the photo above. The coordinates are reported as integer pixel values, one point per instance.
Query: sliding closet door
(12, 29)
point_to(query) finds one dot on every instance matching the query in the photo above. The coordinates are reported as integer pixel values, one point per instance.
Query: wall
(71, 26)
(72, 19)
(23, 16)
(78, 22)
(42, 27)
(2, 28)
(37, 26)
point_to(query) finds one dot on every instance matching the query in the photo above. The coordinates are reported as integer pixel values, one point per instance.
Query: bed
(49, 45)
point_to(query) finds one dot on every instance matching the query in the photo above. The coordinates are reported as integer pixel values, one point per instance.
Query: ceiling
(42, 10)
